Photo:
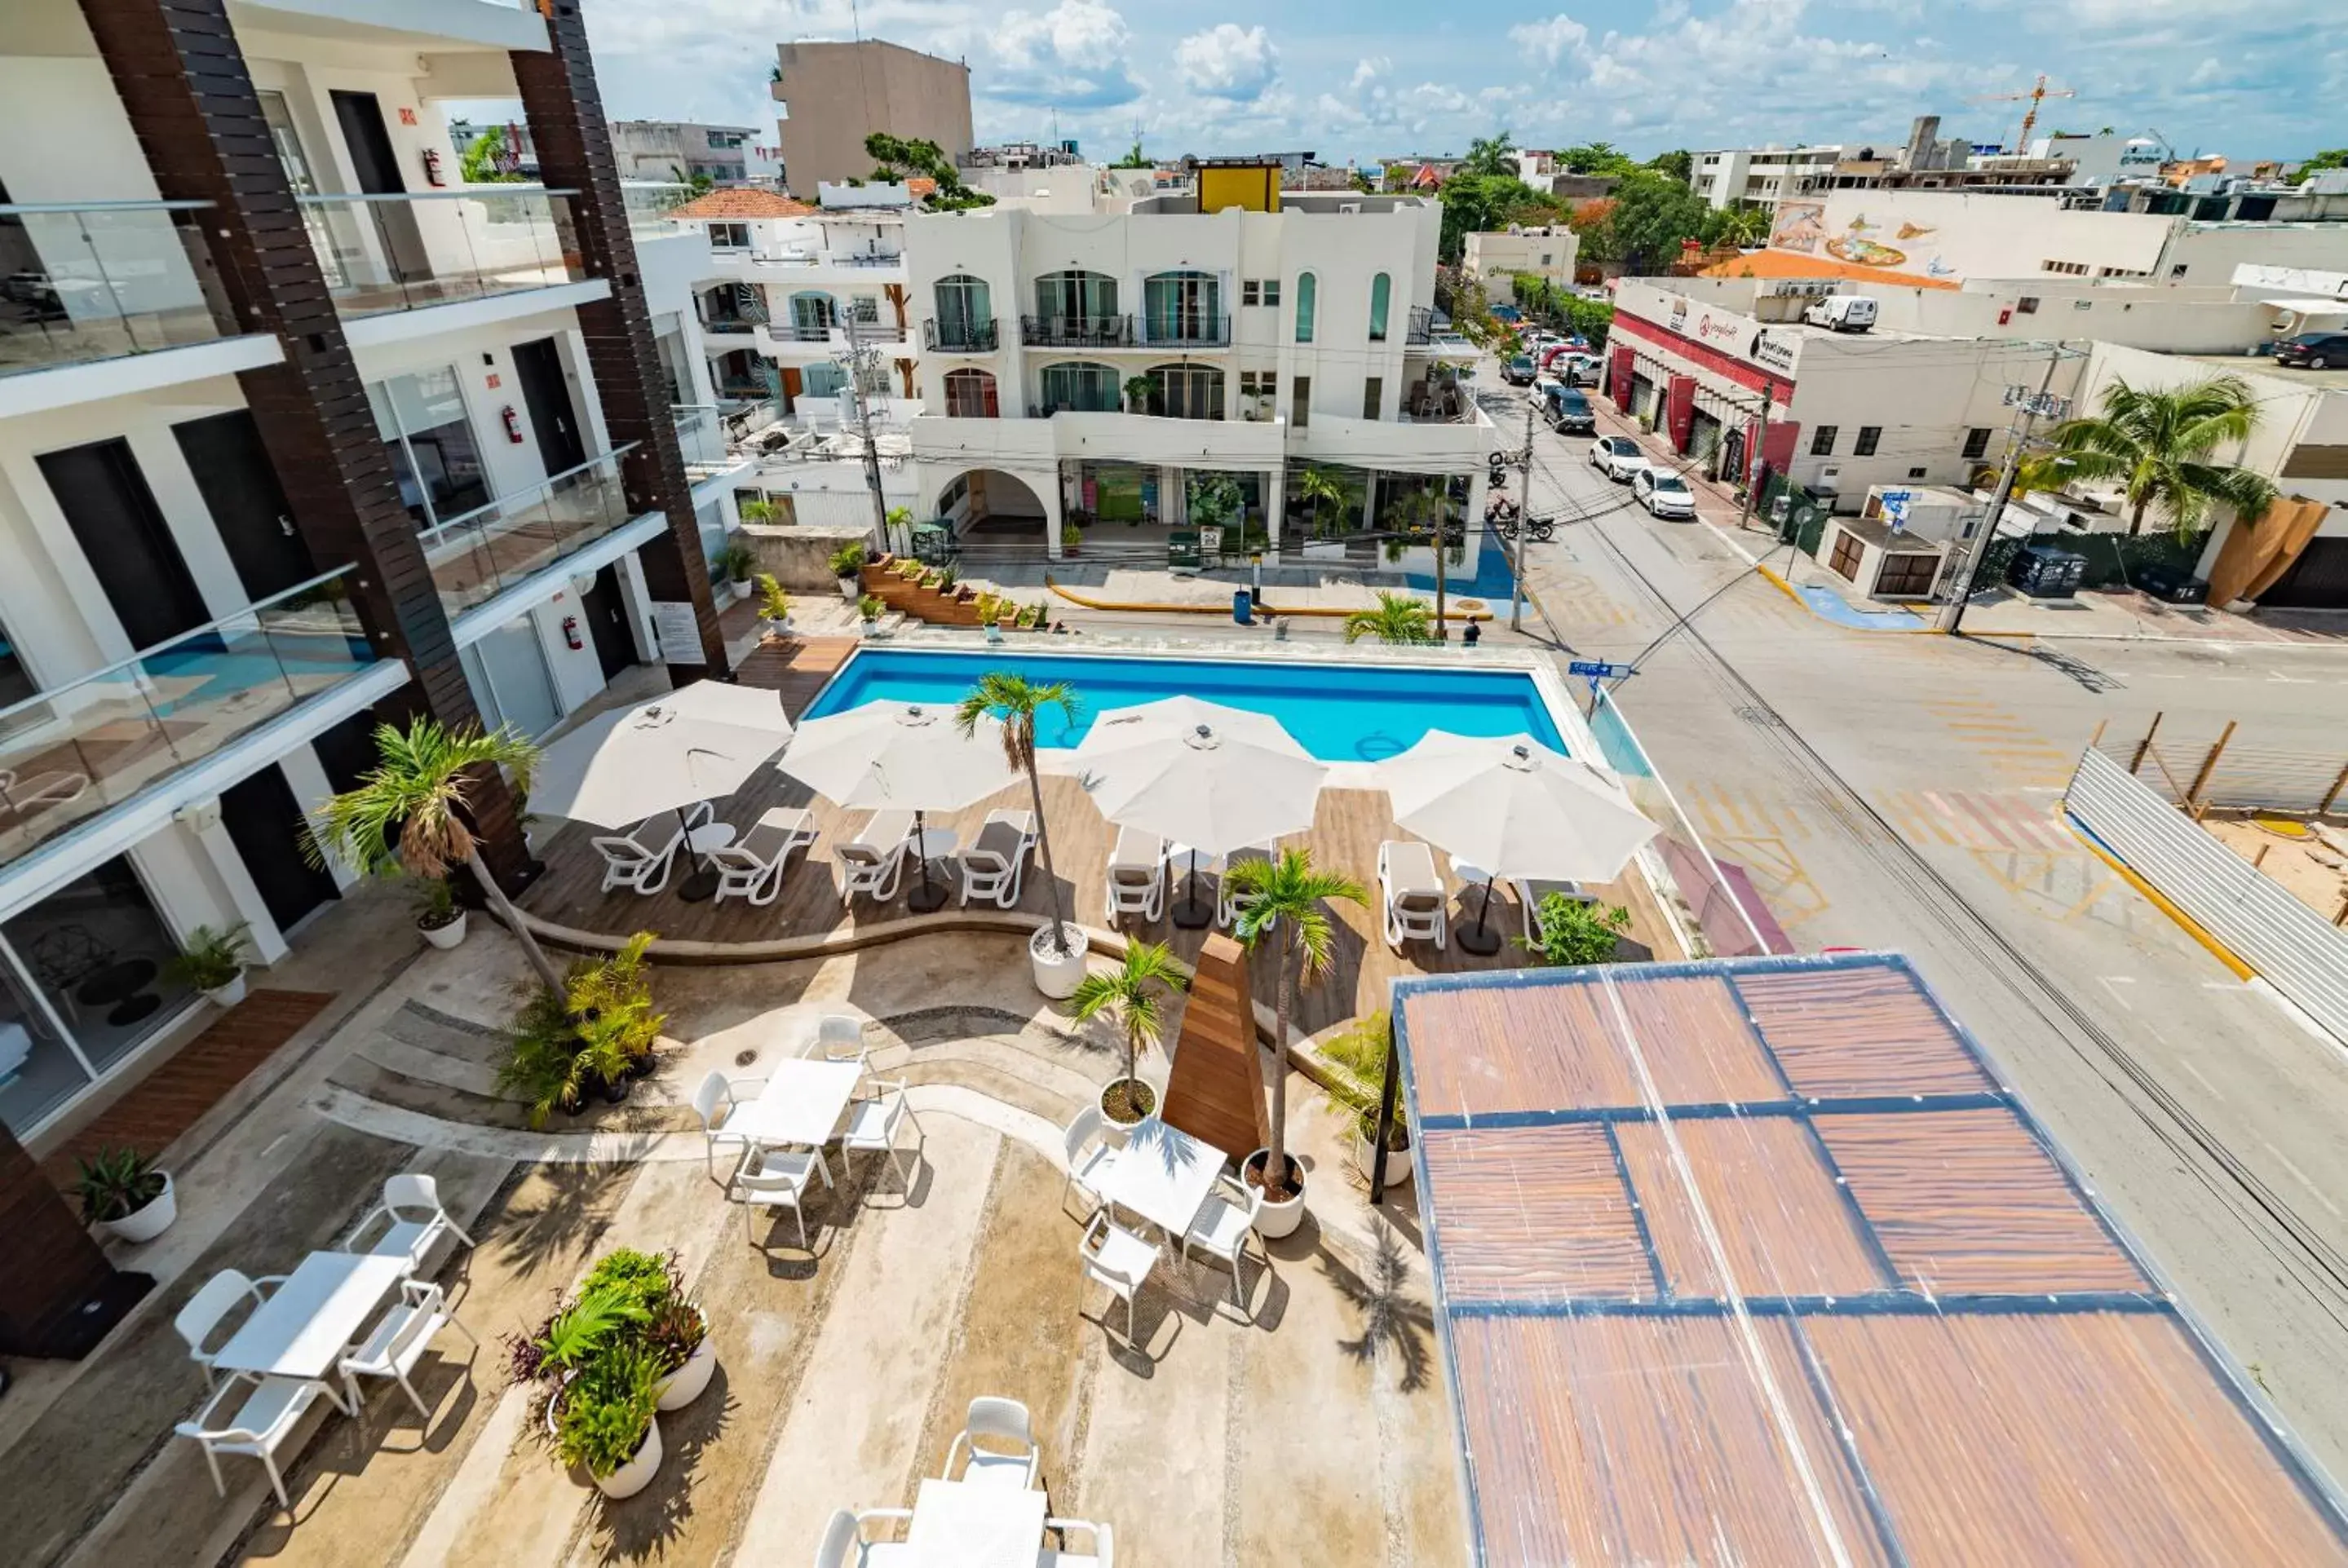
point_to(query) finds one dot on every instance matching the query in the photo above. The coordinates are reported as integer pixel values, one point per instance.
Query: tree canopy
(2330, 158)
(895, 158)
(1488, 155)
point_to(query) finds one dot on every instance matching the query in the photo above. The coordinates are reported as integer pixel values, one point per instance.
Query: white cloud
(1071, 57)
(1560, 37)
(1228, 61)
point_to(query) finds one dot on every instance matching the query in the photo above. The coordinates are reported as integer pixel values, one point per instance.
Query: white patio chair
(995, 868)
(1530, 894)
(753, 868)
(777, 1179)
(412, 1219)
(844, 1546)
(840, 1037)
(1221, 1227)
(206, 1307)
(1137, 875)
(998, 1421)
(1116, 1257)
(873, 862)
(267, 1411)
(716, 1095)
(873, 1122)
(1090, 1155)
(1410, 893)
(1103, 1554)
(393, 1346)
(642, 857)
(1229, 903)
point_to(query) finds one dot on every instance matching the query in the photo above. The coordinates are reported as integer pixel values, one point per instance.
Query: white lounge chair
(267, 1410)
(1003, 1422)
(1089, 1155)
(1137, 875)
(1229, 903)
(208, 1308)
(1221, 1227)
(1102, 1555)
(844, 1546)
(57, 787)
(713, 1103)
(995, 866)
(1116, 1257)
(393, 1346)
(412, 1219)
(872, 861)
(642, 857)
(873, 1122)
(777, 1179)
(753, 869)
(1410, 893)
(1530, 894)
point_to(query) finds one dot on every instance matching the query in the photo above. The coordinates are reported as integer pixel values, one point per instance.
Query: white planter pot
(637, 1473)
(229, 995)
(684, 1386)
(1397, 1163)
(448, 936)
(739, 588)
(852, 588)
(1275, 1220)
(148, 1222)
(1113, 1132)
(1057, 974)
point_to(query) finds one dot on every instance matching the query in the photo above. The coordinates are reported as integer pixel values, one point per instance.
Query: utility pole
(1524, 532)
(1756, 460)
(2028, 409)
(858, 362)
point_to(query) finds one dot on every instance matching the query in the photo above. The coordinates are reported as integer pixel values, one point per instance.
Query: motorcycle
(1502, 512)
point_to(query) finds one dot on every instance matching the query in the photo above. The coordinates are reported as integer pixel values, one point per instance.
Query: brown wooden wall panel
(1216, 1090)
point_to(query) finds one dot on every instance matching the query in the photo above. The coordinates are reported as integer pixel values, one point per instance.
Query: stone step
(373, 1081)
(427, 1028)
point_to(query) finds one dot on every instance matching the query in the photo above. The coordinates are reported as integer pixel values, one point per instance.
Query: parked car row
(1662, 491)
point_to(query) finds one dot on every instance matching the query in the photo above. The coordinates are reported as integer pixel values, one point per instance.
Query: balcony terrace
(499, 547)
(411, 252)
(102, 279)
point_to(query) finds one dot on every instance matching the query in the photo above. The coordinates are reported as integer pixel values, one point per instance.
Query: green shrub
(1576, 932)
(607, 1409)
(848, 560)
(210, 960)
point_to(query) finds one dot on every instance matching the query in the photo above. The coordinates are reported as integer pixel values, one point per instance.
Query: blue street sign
(1598, 670)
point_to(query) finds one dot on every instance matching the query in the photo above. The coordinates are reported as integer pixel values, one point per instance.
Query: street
(1903, 792)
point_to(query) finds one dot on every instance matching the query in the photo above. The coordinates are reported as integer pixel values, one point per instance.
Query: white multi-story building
(1085, 374)
(1761, 176)
(1546, 251)
(298, 434)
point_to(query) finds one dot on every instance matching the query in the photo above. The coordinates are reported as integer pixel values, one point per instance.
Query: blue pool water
(1352, 713)
(1492, 581)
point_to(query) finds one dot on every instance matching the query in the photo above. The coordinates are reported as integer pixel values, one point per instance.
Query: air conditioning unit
(1829, 480)
(1349, 207)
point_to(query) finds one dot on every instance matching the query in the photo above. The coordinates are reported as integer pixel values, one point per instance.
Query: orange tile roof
(1794, 264)
(747, 202)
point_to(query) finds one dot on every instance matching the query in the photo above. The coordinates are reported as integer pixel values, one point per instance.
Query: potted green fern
(124, 1196)
(1356, 1061)
(437, 914)
(214, 963)
(847, 565)
(868, 611)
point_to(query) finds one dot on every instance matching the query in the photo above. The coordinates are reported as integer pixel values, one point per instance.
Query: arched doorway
(990, 507)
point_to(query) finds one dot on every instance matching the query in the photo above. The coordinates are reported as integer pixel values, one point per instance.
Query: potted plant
(1139, 390)
(1574, 931)
(672, 1324)
(847, 564)
(606, 1422)
(1357, 1061)
(868, 611)
(437, 914)
(595, 1032)
(757, 511)
(1287, 910)
(1071, 539)
(1131, 996)
(773, 607)
(1056, 954)
(213, 962)
(735, 563)
(124, 1196)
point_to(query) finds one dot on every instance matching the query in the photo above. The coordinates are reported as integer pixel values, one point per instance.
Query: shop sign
(1777, 354)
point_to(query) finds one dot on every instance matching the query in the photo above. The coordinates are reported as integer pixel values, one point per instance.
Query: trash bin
(2172, 584)
(1243, 606)
(2042, 571)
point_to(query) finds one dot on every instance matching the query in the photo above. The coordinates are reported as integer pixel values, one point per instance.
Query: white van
(1842, 313)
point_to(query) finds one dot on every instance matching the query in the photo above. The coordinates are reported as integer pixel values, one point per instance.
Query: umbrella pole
(702, 884)
(1481, 939)
(928, 897)
(1191, 914)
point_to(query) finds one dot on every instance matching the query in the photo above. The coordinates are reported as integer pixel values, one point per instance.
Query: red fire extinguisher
(513, 423)
(432, 168)
(570, 639)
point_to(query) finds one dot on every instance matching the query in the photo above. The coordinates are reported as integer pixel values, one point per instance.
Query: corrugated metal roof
(1758, 1261)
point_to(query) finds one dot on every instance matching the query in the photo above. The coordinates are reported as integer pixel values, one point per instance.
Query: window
(866, 308)
(1908, 575)
(1822, 443)
(1184, 307)
(1381, 288)
(1869, 435)
(1300, 391)
(1186, 392)
(2178, 270)
(1916, 473)
(2027, 306)
(1304, 291)
(813, 316)
(1374, 390)
(2068, 269)
(1977, 442)
(507, 671)
(1079, 307)
(965, 312)
(1080, 387)
(1272, 291)
(970, 395)
(1848, 553)
(1250, 292)
(730, 236)
(422, 420)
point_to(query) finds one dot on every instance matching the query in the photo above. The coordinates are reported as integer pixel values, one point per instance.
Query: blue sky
(1371, 78)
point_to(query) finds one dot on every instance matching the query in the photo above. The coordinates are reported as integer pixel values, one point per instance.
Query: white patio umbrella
(1210, 778)
(690, 746)
(912, 756)
(1514, 807)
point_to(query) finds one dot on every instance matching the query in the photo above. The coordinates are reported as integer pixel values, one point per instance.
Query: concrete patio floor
(1322, 1426)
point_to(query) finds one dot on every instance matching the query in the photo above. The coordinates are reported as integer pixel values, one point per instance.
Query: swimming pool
(1340, 713)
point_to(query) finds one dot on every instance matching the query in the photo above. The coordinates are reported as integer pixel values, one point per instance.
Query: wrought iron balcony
(1187, 329)
(960, 337)
(1077, 332)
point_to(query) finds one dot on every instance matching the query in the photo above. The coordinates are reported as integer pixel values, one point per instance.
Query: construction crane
(2037, 94)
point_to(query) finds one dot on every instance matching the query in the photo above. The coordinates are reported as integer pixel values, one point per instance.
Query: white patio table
(802, 1104)
(1163, 1174)
(305, 1325)
(968, 1525)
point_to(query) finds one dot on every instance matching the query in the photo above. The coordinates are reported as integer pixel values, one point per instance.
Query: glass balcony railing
(67, 755)
(701, 434)
(479, 556)
(649, 202)
(404, 253)
(100, 280)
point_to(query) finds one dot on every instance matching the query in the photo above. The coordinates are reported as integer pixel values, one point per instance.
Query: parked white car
(1617, 457)
(1663, 493)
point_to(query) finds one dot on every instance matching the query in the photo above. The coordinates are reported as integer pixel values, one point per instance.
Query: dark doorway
(348, 750)
(377, 167)
(129, 545)
(264, 823)
(547, 394)
(247, 504)
(606, 610)
(2318, 579)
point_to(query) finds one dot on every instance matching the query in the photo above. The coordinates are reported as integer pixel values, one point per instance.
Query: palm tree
(1015, 700)
(1427, 510)
(2160, 442)
(1320, 486)
(1289, 896)
(422, 783)
(1398, 619)
(1745, 226)
(1131, 996)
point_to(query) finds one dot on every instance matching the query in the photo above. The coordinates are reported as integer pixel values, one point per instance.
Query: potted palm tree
(214, 963)
(1289, 911)
(1138, 392)
(1057, 953)
(124, 1196)
(424, 779)
(847, 564)
(773, 607)
(1398, 619)
(1358, 1062)
(437, 914)
(1131, 996)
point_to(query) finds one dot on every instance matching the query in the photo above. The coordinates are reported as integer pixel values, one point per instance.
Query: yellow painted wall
(1255, 188)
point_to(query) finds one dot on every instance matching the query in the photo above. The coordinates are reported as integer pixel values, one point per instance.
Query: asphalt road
(1903, 792)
